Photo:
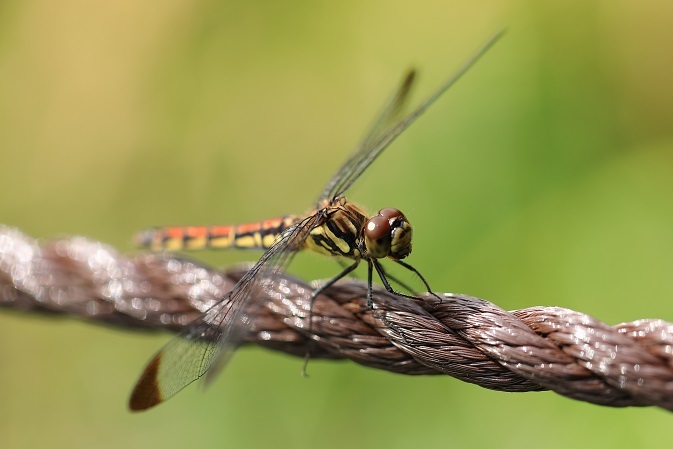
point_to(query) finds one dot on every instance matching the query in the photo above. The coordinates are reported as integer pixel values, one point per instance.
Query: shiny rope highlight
(471, 339)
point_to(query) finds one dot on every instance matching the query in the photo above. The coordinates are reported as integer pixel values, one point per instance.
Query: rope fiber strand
(533, 349)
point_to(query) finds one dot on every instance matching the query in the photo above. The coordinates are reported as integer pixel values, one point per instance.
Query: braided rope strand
(533, 349)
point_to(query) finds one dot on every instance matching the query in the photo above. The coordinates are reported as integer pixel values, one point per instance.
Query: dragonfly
(334, 226)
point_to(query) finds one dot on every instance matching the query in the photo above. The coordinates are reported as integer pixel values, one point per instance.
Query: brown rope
(534, 349)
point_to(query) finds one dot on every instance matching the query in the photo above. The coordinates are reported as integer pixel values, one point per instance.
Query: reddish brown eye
(391, 213)
(378, 227)
(378, 236)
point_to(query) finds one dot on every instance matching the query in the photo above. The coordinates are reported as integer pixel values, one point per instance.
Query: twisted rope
(534, 349)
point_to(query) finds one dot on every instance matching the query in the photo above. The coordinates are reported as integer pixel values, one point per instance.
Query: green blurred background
(544, 177)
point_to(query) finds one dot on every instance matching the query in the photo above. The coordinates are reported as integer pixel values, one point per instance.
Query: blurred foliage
(543, 177)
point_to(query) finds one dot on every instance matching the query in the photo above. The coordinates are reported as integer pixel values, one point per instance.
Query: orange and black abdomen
(260, 235)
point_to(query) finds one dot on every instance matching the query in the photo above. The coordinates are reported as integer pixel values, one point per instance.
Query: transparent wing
(389, 115)
(214, 336)
(388, 126)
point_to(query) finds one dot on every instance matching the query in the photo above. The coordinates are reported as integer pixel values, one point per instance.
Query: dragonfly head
(388, 234)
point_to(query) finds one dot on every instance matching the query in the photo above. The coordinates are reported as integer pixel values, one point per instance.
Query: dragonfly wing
(388, 127)
(389, 115)
(212, 337)
(188, 356)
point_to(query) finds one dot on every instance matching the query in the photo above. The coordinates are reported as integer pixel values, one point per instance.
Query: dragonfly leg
(315, 294)
(396, 280)
(418, 273)
(370, 300)
(386, 284)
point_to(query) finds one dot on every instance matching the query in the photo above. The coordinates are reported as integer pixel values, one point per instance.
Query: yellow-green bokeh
(544, 177)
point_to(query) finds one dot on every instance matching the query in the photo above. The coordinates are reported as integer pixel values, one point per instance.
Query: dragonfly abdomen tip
(144, 239)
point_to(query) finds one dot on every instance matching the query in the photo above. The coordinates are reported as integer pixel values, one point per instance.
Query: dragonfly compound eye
(391, 214)
(388, 234)
(377, 236)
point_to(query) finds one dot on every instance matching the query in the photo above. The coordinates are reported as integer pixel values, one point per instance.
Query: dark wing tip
(409, 79)
(403, 92)
(146, 393)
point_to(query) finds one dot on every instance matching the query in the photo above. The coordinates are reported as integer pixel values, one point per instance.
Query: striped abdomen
(259, 235)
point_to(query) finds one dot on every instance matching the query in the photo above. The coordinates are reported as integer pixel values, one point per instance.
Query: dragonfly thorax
(339, 231)
(346, 231)
(388, 234)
